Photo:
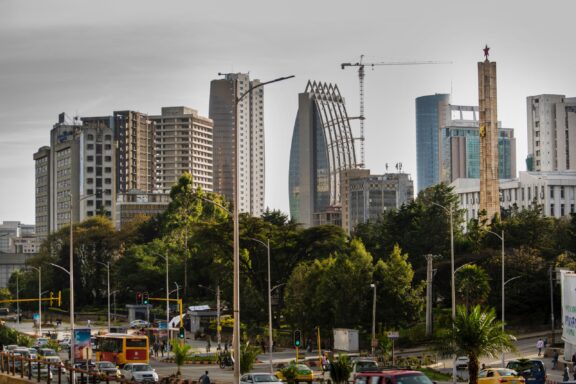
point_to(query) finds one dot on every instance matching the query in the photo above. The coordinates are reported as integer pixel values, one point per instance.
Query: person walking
(555, 359)
(566, 375)
(208, 345)
(540, 345)
(156, 348)
(204, 379)
(162, 347)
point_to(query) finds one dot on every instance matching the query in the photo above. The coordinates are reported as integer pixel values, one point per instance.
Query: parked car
(462, 362)
(392, 376)
(43, 352)
(533, 371)
(499, 376)
(139, 324)
(65, 343)
(140, 372)
(259, 377)
(107, 369)
(44, 371)
(55, 362)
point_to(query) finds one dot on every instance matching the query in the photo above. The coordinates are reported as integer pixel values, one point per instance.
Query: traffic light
(146, 298)
(297, 338)
(138, 297)
(51, 297)
(182, 333)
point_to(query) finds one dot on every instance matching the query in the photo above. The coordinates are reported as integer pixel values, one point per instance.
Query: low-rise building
(137, 203)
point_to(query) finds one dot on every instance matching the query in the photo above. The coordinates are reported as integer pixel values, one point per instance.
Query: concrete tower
(489, 183)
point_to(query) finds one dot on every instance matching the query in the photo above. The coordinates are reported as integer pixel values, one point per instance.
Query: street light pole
(167, 300)
(107, 265)
(373, 285)
(501, 237)
(236, 285)
(17, 300)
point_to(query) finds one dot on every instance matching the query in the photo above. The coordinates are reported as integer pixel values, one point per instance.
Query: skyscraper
(322, 147)
(460, 146)
(249, 116)
(430, 116)
(183, 144)
(77, 168)
(551, 133)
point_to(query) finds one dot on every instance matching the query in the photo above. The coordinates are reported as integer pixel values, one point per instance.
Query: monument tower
(489, 182)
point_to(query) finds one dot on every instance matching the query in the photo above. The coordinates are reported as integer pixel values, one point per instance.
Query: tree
(340, 369)
(472, 285)
(394, 282)
(476, 333)
(181, 352)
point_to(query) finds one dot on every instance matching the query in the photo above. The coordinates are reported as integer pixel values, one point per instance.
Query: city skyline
(88, 59)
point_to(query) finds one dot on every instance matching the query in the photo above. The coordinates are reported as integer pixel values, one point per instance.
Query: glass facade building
(430, 115)
(322, 146)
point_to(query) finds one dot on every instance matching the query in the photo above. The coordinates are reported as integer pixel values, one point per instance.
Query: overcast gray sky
(89, 58)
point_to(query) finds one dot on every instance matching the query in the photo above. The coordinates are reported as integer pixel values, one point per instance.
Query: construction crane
(360, 64)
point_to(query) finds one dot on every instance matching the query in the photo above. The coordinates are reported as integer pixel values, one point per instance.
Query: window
(551, 192)
(89, 146)
(90, 137)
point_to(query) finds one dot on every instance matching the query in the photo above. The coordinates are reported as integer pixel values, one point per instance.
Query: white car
(44, 372)
(462, 362)
(140, 372)
(259, 377)
(65, 343)
(139, 324)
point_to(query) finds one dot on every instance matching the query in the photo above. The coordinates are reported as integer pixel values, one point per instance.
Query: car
(392, 376)
(107, 369)
(41, 342)
(139, 324)
(44, 371)
(65, 343)
(86, 373)
(362, 365)
(462, 362)
(303, 372)
(55, 362)
(532, 370)
(499, 376)
(139, 372)
(43, 352)
(259, 377)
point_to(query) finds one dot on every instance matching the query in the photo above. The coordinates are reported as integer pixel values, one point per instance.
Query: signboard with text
(82, 347)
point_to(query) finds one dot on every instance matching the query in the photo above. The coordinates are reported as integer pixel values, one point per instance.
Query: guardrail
(51, 372)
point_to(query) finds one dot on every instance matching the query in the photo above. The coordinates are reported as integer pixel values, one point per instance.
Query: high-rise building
(80, 178)
(551, 133)
(488, 109)
(460, 146)
(370, 195)
(430, 115)
(134, 140)
(183, 144)
(248, 116)
(322, 147)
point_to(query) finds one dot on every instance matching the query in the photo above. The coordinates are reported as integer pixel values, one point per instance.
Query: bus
(121, 348)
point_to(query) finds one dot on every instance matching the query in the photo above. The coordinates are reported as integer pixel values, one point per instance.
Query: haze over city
(91, 58)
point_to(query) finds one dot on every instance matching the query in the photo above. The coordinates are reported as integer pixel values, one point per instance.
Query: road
(525, 347)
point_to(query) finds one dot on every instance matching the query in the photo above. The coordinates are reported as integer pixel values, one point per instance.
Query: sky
(89, 58)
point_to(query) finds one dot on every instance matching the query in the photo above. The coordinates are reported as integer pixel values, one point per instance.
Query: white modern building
(249, 117)
(183, 144)
(554, 191)
(551, 133)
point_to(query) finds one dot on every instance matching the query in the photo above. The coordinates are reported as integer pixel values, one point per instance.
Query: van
(533, 371)
(392, 376)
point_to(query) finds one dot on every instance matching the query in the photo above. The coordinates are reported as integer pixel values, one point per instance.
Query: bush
(289, 372)
(340, 369)
(248, 355)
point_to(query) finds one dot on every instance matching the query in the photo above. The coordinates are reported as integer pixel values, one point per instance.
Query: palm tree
(476, 333)
(180, 351)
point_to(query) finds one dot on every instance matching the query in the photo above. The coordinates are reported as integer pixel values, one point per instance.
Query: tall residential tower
(248, 117)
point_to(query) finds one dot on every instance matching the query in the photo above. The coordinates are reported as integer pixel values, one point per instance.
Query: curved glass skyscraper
(322, 146)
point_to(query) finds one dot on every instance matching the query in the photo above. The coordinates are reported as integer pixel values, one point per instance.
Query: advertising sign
(569, 307)
(82, 347)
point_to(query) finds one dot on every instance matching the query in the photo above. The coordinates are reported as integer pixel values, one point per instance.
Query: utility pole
(429, 277)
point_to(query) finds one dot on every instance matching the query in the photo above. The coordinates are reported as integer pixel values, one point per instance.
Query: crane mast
(361, 73)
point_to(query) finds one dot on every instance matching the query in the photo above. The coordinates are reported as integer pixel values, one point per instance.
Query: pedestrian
(225, 345)
(539, 345)
(204, 379)
(566, 375)
(483, 366)
(555, 359)
(263, 345)
(156, 347)
(162, 347)
(208, 345)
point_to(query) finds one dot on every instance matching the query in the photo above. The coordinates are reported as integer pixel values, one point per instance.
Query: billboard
(569, 307)
(82, 346)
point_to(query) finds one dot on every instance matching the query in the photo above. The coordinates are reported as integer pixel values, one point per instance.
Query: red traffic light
(138, 297)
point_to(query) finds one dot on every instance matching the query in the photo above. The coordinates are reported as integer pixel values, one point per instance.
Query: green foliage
(472, 285)
(248, 354)
(181, 353)
(11, 336)
(476, 333)
(340, 369)
(289, 372)
(53, 344)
